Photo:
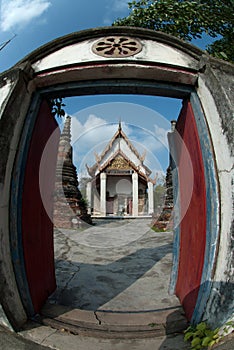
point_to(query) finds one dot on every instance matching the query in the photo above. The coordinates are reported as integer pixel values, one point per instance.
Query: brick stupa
(69, 206)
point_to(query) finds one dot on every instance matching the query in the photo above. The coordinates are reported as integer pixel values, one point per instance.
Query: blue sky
(36, 22)
(33, 23)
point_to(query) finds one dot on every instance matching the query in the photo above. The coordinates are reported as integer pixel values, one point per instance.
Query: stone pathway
(120, 266)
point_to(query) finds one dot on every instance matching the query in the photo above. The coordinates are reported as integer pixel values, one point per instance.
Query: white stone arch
(164, 66)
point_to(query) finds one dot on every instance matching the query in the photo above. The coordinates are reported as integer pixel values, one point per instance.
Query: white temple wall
(96, 203)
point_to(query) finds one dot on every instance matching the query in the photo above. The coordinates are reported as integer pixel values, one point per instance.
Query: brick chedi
(164, 220)
(69, 206)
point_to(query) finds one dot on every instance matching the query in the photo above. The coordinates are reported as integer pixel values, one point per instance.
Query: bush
(201, 336)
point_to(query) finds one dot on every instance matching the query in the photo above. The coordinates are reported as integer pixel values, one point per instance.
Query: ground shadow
(89, 286)
(176, 323)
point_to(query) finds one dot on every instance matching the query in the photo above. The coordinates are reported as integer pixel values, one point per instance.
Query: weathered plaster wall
(5, 90)
(71, 53)
(4, 320)
(15, 105)
(81, 52)
(215, 88)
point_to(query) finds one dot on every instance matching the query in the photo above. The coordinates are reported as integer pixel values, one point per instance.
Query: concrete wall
(164, 66)
(15, 101)
(215, 86)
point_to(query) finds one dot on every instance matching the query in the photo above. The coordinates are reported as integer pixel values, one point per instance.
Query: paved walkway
(116, 266)
(112, 267)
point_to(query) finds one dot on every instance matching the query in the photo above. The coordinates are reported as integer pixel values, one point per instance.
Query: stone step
(113, 324)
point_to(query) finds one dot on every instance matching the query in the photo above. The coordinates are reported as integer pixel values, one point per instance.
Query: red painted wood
(193, 210)
(37, 228)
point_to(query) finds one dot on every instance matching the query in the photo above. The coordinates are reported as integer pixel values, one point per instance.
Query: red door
(192, 199)
(37, 227)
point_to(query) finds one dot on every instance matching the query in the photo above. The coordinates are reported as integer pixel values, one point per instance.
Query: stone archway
(156, 64)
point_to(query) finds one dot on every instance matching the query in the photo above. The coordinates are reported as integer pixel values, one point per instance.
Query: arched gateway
(119, 60)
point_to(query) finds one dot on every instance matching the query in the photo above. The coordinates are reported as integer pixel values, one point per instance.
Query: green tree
(82, 185)
(56, 106)
(187, 19)
(159, 196)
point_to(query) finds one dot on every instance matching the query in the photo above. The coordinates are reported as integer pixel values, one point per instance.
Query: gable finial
(120, 126)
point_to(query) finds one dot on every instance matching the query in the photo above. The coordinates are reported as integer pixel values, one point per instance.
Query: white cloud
(120, 5)
(16, 13)
(95, 130)
(114, 9)
(90, 130)
(161, 135)
(151, 141)
(91, 136)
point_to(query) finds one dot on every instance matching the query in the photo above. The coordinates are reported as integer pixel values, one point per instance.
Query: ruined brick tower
(69, 206)
(165, 221)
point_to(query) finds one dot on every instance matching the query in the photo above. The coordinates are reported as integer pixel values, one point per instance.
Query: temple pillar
(103, 194)
(150, 198)
(134, 194)
(89, 195)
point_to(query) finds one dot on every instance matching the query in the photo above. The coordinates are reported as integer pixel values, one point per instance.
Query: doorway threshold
(121, 217)
(107, 324)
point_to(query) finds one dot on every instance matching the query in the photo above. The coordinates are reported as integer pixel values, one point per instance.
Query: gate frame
(24, 83)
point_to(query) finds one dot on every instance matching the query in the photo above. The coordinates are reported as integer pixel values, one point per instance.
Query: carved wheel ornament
(117, 46)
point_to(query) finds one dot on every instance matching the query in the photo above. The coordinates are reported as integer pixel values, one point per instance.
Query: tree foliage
(56, 106)
(187, 19)
(159, 196)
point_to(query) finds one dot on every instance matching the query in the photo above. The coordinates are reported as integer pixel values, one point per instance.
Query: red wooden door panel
(37, 228)
(192, 210)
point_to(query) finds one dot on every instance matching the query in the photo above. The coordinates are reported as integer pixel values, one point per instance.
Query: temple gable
(119, 146)
(119, 163)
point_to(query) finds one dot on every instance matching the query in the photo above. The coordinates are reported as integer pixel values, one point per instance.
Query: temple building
(120, 183)
(69, 206)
